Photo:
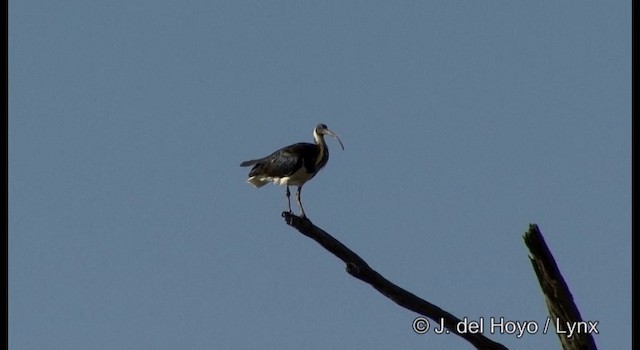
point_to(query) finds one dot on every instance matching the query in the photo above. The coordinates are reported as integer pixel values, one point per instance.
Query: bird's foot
(288, 216)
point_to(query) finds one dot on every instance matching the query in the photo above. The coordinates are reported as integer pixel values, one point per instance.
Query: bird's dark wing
(284, 161)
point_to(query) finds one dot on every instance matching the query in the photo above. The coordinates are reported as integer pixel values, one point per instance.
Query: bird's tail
(250, 162)
(258, 181)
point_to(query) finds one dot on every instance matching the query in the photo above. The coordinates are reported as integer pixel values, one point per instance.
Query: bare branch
(562, 310)
(359, 269)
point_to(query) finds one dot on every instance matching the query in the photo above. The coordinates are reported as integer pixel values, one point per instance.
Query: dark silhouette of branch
(359, 269)
(562, 310)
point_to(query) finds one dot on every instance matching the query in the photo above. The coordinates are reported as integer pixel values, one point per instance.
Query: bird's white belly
(296, 179)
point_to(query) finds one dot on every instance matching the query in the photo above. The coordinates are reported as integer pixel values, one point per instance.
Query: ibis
(293, 165)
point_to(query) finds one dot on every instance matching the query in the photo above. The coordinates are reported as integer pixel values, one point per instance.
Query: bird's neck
(319, 139)
(323, 153)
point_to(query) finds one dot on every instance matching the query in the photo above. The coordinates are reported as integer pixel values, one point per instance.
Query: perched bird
(292, 165)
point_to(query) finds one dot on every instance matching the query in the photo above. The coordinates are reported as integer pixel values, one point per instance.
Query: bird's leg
(289, 198)
(299, 202)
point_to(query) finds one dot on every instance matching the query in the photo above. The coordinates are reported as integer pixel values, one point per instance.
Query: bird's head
(321, 130)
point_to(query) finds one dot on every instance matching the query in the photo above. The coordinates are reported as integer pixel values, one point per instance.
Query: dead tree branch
(562, 310)
(359, 269)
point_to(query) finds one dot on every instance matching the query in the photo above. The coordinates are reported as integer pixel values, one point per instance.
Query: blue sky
(131, 225)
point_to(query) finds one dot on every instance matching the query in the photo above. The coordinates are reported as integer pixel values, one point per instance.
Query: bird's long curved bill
(332, 134)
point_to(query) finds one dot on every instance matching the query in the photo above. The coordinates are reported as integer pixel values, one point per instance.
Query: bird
(292, 165)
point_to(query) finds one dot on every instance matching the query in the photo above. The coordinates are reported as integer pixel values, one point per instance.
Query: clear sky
(131, 225)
